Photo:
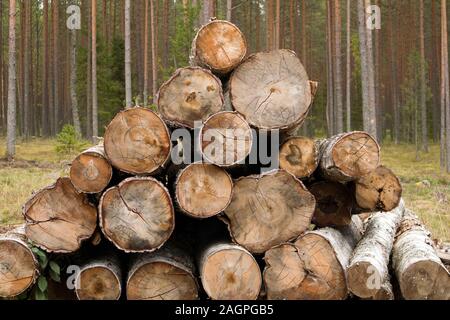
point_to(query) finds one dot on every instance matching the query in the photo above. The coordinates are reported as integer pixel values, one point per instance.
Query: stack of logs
(142, 227)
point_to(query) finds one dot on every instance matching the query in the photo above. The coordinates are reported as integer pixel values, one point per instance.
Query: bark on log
(379, 190)
(58, 218)
(269, 209)
(91, 172)
(226, 139)
(219, 46)
(100, 279)
(167, 274)
(271, 90)
(19, 267)
(299, 156)
(368, 268)
(419, 271)
(334, 204)
(191, 94)
(229, 272)
(137, 215)
(137, 141)
(312, 268)
(349, 156)
(203, 190)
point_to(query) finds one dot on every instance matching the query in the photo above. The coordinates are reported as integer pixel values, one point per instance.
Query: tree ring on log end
(98, 283)
(299, 156)
(137, 141)
(137, 215)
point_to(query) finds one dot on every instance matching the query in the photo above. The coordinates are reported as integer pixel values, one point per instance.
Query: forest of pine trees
(392, 81)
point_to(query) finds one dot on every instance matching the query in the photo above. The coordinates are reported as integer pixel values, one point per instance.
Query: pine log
(191, 94)
(299, 156)
(203, 190)
(229, 272)
(19, 267)
(379, 190)
(312, 268)
(271, 90)
(91, 172)
(58, 218)
(226, 139)
(334, 204)
(420, 272)
(348, 156)
(268, 209)
(137, 215)
(100, 279)
(167, 274)
(219, 46)
(368, 267)
(137, 141)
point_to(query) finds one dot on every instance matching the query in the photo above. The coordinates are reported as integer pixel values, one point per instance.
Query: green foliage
(48, 269)
(68, 142)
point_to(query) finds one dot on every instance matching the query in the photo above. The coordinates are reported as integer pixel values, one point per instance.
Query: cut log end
(379, 190)
(161, 280)
(230, 273)
(137, 141)
(268, 210)
(203, 190)
(299, 156)
(90, 172)
(98, 283)
(271, 90)
(226, 139)
(137, 215)
(58, 218)
(219, 46)
(362, 279)
(191, 94)
(333, 204)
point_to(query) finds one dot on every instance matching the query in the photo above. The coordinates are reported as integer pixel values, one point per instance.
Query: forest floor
(425, 189)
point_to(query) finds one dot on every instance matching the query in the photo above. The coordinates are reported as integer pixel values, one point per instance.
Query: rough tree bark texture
(168, 274)
(137, 215)
(203, 190)
(73, 81)
(219, 46)
(191, 94)
(271, 90)
(368, 268)
(334, 204)
(229, 272)
(19, 266)
(100, 279)
(226, 139)
(418, 269)
(58, 218)
(90, 171)
(137, 141)
(379, 190)
(312, 268)
(348, 156)
(299, 156)
(269, 209)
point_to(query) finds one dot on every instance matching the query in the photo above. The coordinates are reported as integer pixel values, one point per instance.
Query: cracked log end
(91, 172)
(18, 266)
(58, 218)
(271, 90)
(333, 204)
(191, 94)
(203, 190)
(219, 46)
(137, 141)
(137, 215)
(226, 139)
(98, 282)
(268, 210)
(299, 156)
(229, 272)
(379, 190)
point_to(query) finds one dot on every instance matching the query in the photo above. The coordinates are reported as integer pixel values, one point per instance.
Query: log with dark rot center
(299, 156)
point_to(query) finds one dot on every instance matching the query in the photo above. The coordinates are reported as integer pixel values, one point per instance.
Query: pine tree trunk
(154, 50)
(56, 67)
(45, 85)
(94, 72)
(146, 53)
(348, 69)
(299, 156)
(445, 95)
(337, 26)
(11, 129)
(89, 133)
(73, 82)
(229, 9)
(26, 68)
(128, 99)
(331, 130)
(423, 84)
